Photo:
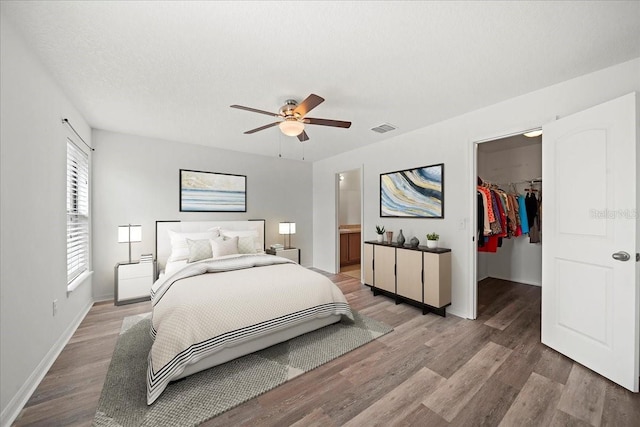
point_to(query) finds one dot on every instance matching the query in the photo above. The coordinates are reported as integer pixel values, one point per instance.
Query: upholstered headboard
(163, 242)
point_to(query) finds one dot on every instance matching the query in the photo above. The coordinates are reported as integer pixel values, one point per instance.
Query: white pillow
(179, 248)
(246, 245)
(239, 233)
(253, 234)
(221, 247)
(199, 250)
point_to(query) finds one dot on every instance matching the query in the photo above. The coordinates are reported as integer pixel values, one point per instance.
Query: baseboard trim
(103, 298)
(511, 279)
(11, 412)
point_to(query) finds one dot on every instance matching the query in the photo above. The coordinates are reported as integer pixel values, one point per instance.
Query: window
(77, 211)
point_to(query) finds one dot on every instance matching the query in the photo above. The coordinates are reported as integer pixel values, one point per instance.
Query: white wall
(136, 182)
(517, 259)
(450, 142)
(33, 222)
(350, 204)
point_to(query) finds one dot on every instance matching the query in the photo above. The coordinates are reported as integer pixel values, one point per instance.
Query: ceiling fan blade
(303, 137)
(261, 128)
(240, 107)
(327, 122)
(310, 102)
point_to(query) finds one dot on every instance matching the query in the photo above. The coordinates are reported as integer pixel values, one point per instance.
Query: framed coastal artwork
(212, 192)
(413, 193)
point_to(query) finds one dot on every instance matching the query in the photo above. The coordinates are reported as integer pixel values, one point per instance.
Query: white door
(589, 299)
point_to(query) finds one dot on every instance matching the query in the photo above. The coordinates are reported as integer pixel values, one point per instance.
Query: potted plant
(380, 231)
(432, 240)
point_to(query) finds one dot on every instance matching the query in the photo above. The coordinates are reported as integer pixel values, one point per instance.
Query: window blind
(77, 211)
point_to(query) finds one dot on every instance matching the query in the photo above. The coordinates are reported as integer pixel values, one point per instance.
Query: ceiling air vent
(383, 128)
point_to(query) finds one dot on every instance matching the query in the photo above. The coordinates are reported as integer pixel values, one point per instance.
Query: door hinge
(637, 257)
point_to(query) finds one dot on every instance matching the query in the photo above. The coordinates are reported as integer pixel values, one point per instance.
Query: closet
(509, 197)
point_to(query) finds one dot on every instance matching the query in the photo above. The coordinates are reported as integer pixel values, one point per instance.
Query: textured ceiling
(171, 69)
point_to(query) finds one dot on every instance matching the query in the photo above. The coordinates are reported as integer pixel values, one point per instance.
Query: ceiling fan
(294, 118)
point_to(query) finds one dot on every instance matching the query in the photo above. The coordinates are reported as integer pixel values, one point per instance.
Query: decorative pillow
(199, 250)
(179, 248)
(246, 245)
(221, 247)
(253, 234)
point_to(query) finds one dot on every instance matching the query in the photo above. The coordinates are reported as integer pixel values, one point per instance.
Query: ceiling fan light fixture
(291, 127)
(293, 116)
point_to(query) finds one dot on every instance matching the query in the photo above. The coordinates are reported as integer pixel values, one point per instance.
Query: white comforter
(196, 314)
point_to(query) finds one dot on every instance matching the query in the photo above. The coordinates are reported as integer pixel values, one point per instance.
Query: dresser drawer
(131, 271)
(138, 287)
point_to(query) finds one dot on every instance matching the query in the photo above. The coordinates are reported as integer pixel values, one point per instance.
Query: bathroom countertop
(349, 230)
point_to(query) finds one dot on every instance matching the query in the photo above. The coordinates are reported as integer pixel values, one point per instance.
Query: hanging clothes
(504, 214)
(532, 207)
(516, 225)
(489, 216)
(481, 214)
(488, 203)
(531, 203)
(496, 227)
(490, 245)
(540, 217)
(485, 204)
(523, 215)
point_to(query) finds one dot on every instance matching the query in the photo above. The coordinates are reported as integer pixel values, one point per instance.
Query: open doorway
(349, 222)
(508, 233)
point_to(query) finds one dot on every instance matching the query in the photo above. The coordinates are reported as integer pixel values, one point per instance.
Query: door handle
(621, 256)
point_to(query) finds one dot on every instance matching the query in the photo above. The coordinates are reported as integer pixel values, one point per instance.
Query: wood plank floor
(430, 371)
(351, 271)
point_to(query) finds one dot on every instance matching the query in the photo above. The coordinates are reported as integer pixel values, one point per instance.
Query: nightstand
(133, 281)
(291, 253)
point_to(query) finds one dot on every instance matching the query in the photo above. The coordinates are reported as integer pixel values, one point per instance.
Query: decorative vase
(414, 242)
(432, 244)
(400, 239)
(389, 237)
(380, 238)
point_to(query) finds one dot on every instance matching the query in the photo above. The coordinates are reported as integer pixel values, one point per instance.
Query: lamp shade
(129, 233)
(291, 127)
(287, 228)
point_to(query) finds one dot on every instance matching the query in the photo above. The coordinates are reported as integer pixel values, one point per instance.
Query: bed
(216, 306)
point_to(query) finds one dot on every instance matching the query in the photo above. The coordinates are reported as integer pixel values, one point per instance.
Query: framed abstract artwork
(212, 192)
(413, 193)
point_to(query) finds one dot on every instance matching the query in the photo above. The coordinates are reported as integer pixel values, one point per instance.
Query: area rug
(204, 395)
